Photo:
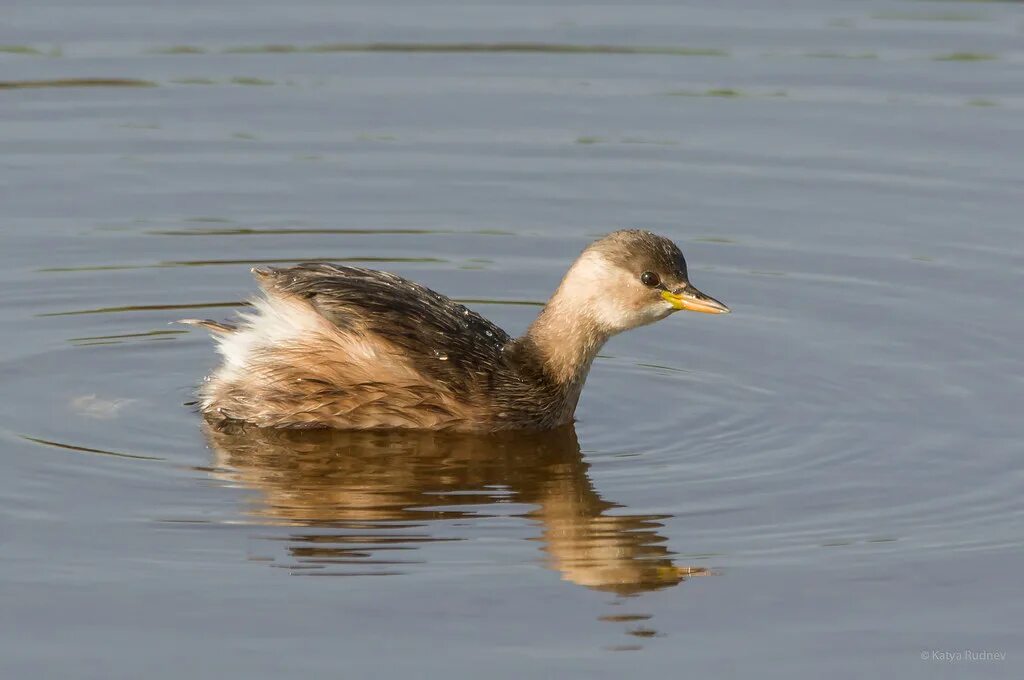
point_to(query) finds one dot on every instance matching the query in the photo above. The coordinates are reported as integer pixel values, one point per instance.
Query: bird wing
(440, 338)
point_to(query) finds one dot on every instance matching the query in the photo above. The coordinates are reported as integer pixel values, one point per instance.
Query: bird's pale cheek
(665, 309)
(610, 316)
(654, 312)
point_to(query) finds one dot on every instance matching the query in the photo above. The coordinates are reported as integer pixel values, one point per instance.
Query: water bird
(329, 346)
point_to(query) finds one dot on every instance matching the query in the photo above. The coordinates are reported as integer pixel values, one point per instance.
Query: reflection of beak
(691, 299)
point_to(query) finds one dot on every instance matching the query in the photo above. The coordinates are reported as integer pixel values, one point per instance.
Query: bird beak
(692, 300)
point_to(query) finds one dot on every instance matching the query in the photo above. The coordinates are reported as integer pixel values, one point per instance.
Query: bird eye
(650, 279)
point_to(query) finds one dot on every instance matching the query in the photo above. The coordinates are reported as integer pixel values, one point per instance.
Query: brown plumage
(352, 348)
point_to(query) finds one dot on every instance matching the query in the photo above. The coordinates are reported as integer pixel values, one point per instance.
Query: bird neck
(566, 340)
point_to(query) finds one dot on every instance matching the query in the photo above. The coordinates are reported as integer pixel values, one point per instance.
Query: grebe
(350, 348)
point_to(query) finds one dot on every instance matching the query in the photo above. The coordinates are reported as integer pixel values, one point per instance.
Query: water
(830, 477)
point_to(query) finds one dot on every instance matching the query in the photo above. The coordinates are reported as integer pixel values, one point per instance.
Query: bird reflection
(361, 496)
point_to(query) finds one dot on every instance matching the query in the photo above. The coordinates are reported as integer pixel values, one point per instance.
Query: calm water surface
(829, 480)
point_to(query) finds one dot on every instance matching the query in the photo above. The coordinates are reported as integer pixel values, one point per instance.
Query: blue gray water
(828, 480)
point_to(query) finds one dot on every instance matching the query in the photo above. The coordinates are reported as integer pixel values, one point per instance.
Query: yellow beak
(692, 300)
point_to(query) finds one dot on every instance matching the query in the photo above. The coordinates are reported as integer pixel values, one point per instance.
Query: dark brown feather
(443, 339)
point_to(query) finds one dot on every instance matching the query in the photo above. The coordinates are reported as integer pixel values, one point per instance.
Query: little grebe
(353, 348)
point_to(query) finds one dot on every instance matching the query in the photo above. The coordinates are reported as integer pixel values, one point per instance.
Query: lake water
(827, 481)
